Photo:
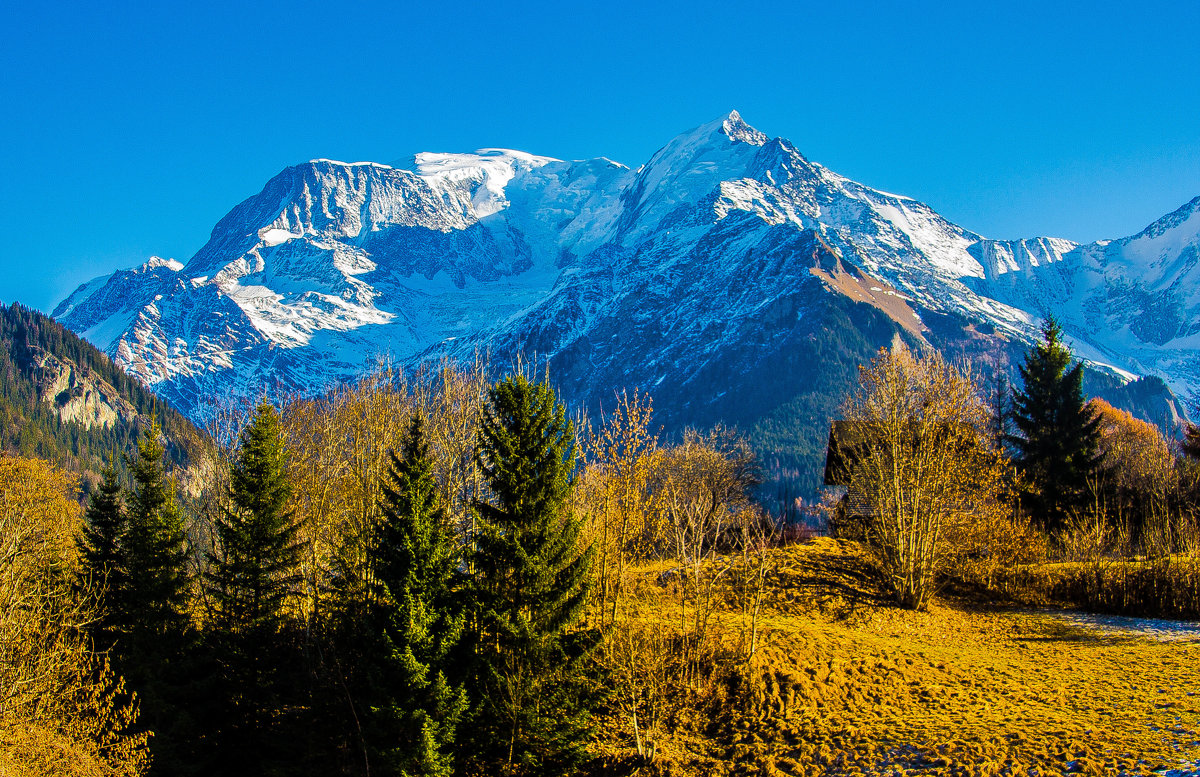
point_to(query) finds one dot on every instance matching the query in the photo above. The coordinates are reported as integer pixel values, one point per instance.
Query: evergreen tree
(418, 621)
(531, 582)
(150, 608)
(253, 571)
(1058, 441)
(153, 598)
(255, 566)
(100, 554)
(1001, 409)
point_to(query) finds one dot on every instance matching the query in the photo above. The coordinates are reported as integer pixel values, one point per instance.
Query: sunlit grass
(846, 684)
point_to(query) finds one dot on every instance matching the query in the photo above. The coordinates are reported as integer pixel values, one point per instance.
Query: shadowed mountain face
(730, 277)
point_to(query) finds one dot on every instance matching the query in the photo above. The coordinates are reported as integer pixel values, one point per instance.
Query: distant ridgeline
(64, 400)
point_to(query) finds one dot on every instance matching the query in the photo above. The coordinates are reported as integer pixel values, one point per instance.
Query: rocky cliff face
(79, 395)
(63, 400)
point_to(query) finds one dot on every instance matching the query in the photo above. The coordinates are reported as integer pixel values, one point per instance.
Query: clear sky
(129, 129)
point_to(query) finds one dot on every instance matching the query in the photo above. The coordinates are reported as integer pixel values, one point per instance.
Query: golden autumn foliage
(684, 508)
(613, 493)
(62, 711)
(925, 468)
(1138, 504)
(1134, 453)
(338, 448)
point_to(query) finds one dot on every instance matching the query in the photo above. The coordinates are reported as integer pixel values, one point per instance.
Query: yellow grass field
(844, 684)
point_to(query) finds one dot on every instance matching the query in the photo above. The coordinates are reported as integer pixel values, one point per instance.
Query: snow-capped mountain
(729, 275)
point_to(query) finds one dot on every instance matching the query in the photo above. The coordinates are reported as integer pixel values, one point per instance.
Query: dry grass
(1165, 587)
(845, 684)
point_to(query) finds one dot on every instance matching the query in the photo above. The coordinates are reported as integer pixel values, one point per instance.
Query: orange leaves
(1135, 453)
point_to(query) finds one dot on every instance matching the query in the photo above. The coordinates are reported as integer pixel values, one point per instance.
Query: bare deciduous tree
(641, 661)
(613, 492)
(701, 486)
(755, 534)
(922, 462)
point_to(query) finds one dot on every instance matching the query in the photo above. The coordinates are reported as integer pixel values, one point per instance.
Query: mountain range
(729, 276)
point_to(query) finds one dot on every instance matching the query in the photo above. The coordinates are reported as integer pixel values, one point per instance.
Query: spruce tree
(1058, 434)
(531, 583)
(1001, 409)
(252, 572)
(100, 555)
(417, 621)
(255, 566)
(151, 606)
(153, 599)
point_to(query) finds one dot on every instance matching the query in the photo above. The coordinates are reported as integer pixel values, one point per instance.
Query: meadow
(845, 683)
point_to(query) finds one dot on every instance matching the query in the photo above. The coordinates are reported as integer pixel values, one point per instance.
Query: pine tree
(100, 555)
(531, 583)
(418, 620)
(1058, 441)
(255, 566)
(1001, 409)
(151, 606)
(153, 597)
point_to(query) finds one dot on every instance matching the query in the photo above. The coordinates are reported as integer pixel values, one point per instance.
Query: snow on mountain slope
(328, 248)
(650, 277)
(1133, 303)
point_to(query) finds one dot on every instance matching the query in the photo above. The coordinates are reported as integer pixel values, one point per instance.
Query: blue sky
(129, 129)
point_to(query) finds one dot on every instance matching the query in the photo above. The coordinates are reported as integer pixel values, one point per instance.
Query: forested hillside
(63, 400)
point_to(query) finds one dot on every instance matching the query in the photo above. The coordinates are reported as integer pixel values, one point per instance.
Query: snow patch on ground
(1160, 629)
(275, 236)
(1188, 770)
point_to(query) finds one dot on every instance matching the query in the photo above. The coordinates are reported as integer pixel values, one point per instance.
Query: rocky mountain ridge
(699, 276)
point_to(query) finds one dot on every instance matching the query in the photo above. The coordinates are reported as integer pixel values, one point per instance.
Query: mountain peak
(1172, 221)
(157, 261)
(739, 131)
(338, 163)
(678, 274)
